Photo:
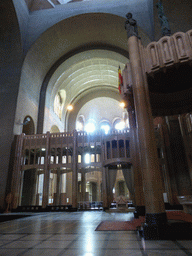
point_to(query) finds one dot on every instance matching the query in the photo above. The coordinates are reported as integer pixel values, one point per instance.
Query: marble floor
(73, 234)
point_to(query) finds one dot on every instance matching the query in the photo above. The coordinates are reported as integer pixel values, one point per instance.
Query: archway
(54, 129)
(28, 126)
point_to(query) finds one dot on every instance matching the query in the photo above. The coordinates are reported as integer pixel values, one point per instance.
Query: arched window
(126, 119)
(105, 126)
(80, 123)
(59, 103)
(54, 129)
(90, 126)
(119, 124)
(28, 126)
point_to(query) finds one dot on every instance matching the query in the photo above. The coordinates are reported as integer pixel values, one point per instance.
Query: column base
(139, 211)
(155, 227)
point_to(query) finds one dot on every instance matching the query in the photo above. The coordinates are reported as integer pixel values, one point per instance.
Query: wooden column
(136, 162)
(17, 172)
(104, 187)
(45, 200)
(153, 192)
(75, 171)
(58, 187)
(186, 141)
(34, 187)
(83, 186)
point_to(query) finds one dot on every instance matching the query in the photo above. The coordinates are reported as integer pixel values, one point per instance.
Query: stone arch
(39, 66)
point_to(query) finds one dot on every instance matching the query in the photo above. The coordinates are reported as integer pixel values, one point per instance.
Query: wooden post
(45, 200)
(75, 171)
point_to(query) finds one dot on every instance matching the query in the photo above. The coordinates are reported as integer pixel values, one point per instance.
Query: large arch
(81, 99)
(40, 21)
(61, 40)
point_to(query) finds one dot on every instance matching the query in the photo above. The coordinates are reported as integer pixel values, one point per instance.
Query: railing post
(74, 171)
(15, 187)
(58, 187)
(45, 200)
(104, 188)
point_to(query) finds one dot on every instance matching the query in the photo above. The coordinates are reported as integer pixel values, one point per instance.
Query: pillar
(136, 162)
(186, 141)
(74, 171)
(17, 172)
(34, 187)
(83, 186)
(166, 162)
(155, 210)
(57, 201)
(45, 200)
(104, 188)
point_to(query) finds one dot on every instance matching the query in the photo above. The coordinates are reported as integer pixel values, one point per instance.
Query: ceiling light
(122, 104)
(69, 107)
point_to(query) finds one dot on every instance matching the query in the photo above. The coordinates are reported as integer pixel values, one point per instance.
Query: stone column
(75, 171)
(45, 200)
(155, 211)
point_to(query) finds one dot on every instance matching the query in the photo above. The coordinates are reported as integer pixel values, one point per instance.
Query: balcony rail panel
(168, 51)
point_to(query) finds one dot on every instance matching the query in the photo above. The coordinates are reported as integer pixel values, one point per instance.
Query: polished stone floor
(74, 234)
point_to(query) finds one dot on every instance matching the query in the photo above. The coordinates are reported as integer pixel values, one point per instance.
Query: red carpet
(179, 215)
(120, 225)
(134, 223)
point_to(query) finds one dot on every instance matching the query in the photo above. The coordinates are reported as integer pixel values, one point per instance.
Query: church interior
(96, 118)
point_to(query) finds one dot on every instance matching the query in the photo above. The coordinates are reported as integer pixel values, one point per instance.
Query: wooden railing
(58, 149)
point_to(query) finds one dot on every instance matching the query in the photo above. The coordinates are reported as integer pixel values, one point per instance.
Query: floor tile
(122, 237)
(123, 245)
(62, 237)
(35, 237)
(158, 244)
(88, 245)
(53, 244)
(186, 243)
(21, 244)
(73, 234)
(10, 237)
(165, 253)
(123, 253)
(11, 252)
(76, 252)
(42, 252)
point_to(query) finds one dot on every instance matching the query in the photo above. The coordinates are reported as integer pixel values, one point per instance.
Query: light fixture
(69, 107)
(122, 104)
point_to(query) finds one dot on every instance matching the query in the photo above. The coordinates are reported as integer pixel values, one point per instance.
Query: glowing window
(79, 126)
(58, 105)
(90, 127)
(120, 125)
(87, 158)
(105, 128)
